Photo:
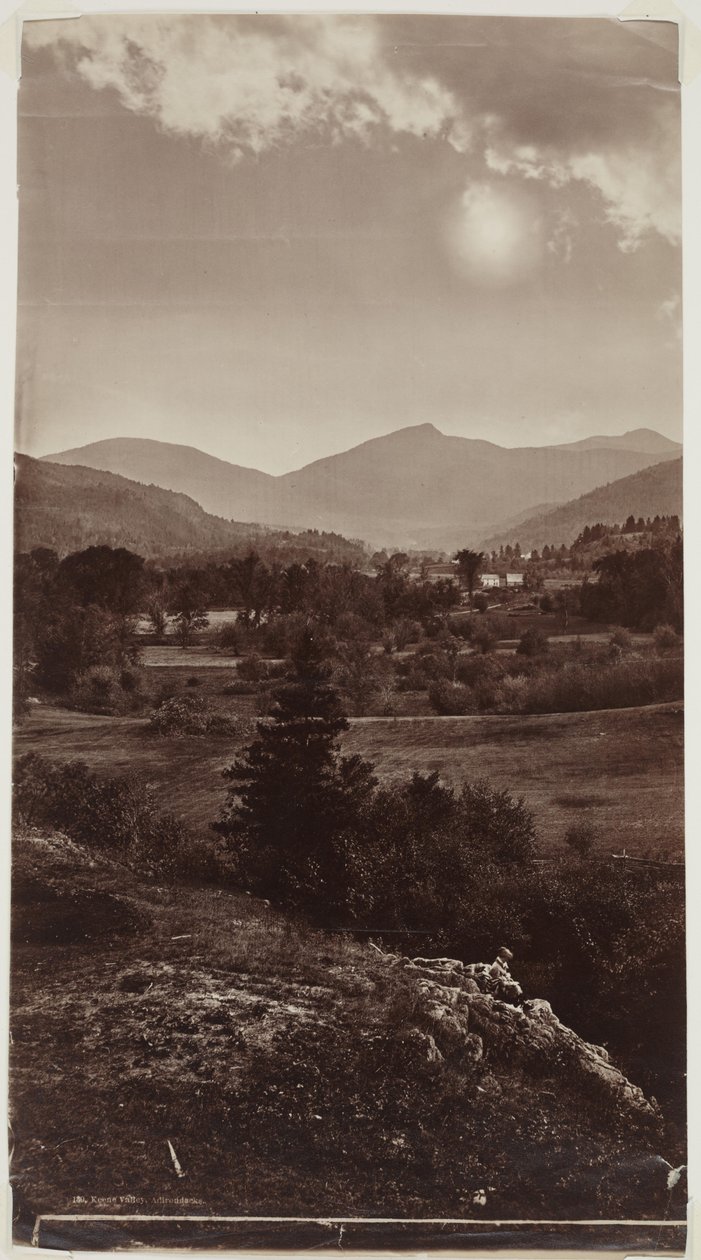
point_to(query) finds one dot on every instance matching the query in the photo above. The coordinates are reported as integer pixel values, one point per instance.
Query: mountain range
(414, 487)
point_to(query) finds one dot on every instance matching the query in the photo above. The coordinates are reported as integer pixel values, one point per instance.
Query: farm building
(490, 579)
(514, 579)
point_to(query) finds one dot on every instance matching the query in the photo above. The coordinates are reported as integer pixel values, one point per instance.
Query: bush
(665, 638)
(580, 838)
(190, 715)
(252, 669)
(451, 699)
(484, 637)
(118, 815)
(409, 678)
(511, 695)
(193, 681)
(532, 642)
(108, 689)
(612, 685)
(239, 688)
(230, 637)
(621, 640)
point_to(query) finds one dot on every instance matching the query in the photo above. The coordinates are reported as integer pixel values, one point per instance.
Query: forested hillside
(68, 507)
(654, 491)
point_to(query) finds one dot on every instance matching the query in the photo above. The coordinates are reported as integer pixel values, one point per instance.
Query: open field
(169, 655)
(620, 769)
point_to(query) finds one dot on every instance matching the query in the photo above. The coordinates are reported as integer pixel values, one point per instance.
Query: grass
(627, 764)
(211, 682)
(629, 761)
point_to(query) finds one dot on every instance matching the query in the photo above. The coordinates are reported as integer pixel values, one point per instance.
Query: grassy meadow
(620, 769)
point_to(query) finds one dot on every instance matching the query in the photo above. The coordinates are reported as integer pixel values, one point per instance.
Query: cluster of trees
(74, 616)
(77, 612)
(639, 589)
(314, 830)
(657, 525)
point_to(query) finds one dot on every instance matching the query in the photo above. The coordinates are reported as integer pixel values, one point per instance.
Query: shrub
(484, 637)
(410, 679)
(462, 627)
(511, 695)
(480, 603)
(621, 639)
(108, 689)
(193, 681)
(665, 638)
(252, 669)
(612, 685)
(239, 688)
(580, 838)
(191, 715)
(230, 637)
(116, 814)
(406, 631)
(451, 699)
(532, 642)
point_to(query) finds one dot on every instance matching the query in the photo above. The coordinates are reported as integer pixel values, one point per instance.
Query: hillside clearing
(280, 1067)
(621, 769)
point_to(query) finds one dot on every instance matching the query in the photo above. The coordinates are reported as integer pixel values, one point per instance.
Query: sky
(275, 237)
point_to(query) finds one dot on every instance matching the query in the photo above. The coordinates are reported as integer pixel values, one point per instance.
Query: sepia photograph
(348, 868)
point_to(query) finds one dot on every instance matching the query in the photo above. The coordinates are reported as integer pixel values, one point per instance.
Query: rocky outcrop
(456, 1017)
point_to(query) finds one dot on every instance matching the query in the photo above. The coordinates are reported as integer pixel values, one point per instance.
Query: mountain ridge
(656, 490)
(70, 506)
(415, 486)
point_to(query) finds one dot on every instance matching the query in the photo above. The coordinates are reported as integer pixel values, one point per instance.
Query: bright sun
(495, 234)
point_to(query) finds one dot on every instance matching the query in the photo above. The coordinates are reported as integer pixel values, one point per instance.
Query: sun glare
(495, 235)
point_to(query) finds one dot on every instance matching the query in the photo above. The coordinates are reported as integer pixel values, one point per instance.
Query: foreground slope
(654, 491)
(415, 486)
(290, 1072)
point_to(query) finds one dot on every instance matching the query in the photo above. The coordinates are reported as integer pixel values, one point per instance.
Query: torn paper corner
(689, 31)
(11, 29)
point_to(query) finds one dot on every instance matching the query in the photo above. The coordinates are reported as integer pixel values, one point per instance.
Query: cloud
(560, 244)
(251, 85)
(670, 312)
(566, 103)
(638, 183)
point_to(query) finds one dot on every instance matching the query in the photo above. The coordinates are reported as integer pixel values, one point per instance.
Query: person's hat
(505, 953)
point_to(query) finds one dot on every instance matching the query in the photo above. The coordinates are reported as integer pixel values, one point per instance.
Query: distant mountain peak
(401, 488)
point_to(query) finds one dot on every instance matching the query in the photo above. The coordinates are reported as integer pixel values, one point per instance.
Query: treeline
(648, 529)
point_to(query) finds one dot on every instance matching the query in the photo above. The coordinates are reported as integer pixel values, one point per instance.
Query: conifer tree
(293, 796)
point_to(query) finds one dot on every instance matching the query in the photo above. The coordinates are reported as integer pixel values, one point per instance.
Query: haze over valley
(415, 487)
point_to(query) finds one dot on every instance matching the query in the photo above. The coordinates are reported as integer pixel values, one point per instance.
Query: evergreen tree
(293, 796)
